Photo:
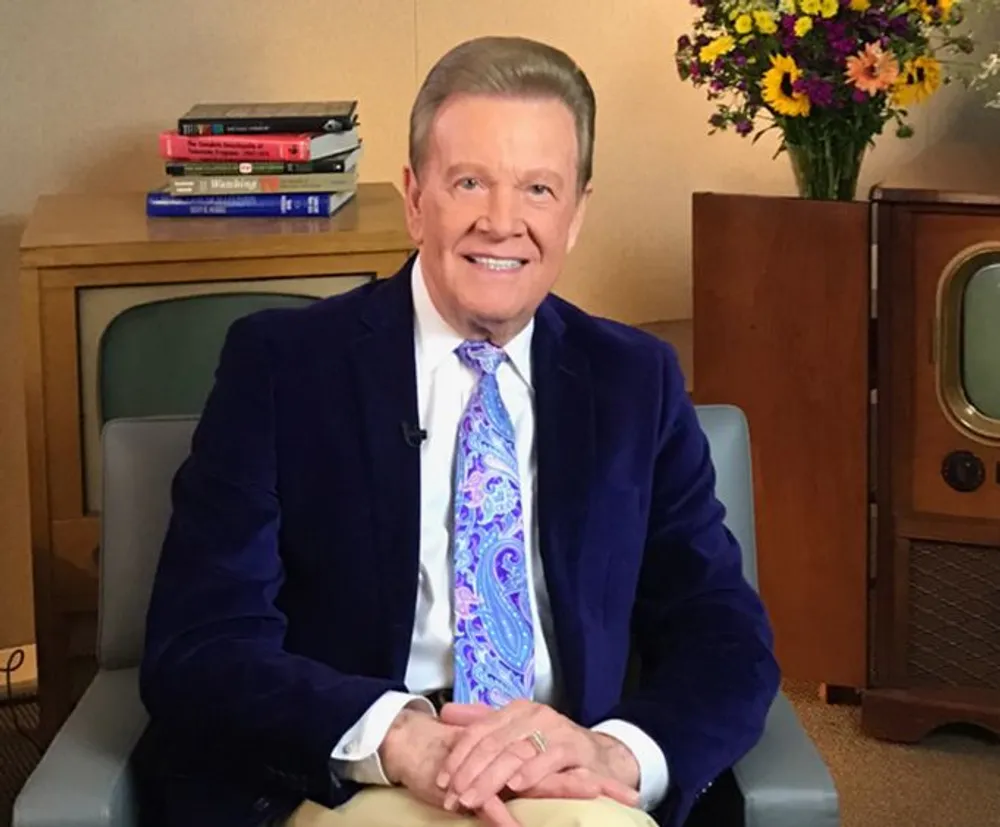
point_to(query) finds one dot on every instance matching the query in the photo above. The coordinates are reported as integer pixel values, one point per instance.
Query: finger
(556, 758)
(486, 738)
(495, 813)
(622, 793)
(495, 777)
(464, 714)
(575, 783)
(481, 776)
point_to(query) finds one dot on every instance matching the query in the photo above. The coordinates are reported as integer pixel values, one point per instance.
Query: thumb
(464, 714)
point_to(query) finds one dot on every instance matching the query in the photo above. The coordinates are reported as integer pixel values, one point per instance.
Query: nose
(502, 217)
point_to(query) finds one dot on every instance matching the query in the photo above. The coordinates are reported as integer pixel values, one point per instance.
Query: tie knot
(482, 357)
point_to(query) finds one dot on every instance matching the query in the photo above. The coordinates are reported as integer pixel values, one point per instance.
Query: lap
(395, 807)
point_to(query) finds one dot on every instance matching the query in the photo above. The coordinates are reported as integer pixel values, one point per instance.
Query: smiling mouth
(497, 264)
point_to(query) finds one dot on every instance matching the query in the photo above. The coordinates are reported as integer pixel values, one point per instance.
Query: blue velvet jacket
(284, 600)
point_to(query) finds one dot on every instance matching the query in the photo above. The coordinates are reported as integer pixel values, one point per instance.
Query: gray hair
(507, 66)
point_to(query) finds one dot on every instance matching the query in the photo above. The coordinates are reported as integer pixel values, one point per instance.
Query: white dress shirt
(444, 385)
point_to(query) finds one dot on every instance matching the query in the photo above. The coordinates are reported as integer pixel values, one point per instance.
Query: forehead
(484, 128)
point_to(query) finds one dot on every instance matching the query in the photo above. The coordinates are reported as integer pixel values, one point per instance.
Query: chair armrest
(783, 779)
(83, 779)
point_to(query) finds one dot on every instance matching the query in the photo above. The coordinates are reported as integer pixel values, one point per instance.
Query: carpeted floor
(952, 780)
(18, 755)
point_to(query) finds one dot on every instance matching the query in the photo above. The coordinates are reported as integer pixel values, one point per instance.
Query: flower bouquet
(828, 74)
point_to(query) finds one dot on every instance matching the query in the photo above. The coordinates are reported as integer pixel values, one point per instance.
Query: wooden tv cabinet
(81, 257)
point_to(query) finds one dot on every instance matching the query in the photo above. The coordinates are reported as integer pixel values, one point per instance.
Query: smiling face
(494, 209)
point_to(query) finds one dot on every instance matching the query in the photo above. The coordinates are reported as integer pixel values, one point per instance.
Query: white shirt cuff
(654, 777)
(356, 755)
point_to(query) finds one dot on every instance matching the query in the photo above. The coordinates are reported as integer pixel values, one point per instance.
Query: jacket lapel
(385, 376)
(564, 438)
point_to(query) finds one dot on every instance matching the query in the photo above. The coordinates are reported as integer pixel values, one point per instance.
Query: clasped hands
(473, 758)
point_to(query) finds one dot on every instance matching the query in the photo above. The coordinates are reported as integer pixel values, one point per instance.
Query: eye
(468, 183)
(540, 189)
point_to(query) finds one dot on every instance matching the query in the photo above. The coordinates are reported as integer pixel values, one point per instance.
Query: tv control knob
(963, 471)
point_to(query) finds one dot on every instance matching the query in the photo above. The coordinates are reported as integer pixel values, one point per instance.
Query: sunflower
(932, 10)
(779, 87)
(919, 80)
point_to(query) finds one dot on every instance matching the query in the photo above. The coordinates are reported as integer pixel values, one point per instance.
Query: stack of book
(259, 159)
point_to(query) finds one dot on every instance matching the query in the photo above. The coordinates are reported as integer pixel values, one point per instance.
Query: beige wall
(86, 86)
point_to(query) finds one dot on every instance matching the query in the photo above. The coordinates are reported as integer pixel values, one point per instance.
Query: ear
(411, 196)
(577, 221)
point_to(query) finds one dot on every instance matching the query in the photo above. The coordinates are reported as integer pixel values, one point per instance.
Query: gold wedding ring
(538, 740)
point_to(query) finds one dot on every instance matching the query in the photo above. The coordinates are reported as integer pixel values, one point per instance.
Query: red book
(277, 147)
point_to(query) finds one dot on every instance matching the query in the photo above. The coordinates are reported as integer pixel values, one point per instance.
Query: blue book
(161, 205)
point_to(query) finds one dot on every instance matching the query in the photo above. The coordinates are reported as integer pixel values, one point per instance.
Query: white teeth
(497, 263)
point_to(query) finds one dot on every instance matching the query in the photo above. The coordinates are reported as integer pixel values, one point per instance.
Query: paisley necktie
(494, 643)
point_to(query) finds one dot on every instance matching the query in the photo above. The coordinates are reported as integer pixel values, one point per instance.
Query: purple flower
(740, 59)
(702, 40)
(835, 29)
(858, 96)
(744, 127)
(741, 85)
(843, 46)
(820, 91)
(683, 42)
(695, 69)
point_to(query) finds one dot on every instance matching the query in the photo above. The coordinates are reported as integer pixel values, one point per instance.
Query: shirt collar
(436, 340)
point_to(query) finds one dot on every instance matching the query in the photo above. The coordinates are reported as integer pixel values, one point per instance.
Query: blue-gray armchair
(84, 780)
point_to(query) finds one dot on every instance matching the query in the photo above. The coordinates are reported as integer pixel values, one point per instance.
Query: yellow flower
(919, 79)
(778, 87)
(828, 8)
(718, 47)
(766, 22)
(744, 23)
(809, 6)
(860, 5)
(803, 26)
(932, 10)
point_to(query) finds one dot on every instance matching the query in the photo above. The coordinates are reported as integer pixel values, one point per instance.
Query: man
(423, 524)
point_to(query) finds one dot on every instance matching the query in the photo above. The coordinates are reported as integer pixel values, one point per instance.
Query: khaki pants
(395, 807)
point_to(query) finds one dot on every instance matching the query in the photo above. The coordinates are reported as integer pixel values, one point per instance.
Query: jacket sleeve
(707, 671)
(215, 668)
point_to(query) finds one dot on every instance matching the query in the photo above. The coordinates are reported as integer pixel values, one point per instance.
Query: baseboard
(24, 680)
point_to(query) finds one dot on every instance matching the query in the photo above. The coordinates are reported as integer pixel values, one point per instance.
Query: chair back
(159, 358)
(140, 458)
(729, 444)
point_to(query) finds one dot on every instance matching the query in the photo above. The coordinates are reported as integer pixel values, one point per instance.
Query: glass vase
(826, 170)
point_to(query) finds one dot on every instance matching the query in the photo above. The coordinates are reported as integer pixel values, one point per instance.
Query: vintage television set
(125, 316)
(935, 611)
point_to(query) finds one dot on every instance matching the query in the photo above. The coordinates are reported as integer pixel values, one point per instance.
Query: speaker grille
(954, 626)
